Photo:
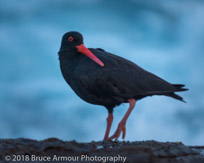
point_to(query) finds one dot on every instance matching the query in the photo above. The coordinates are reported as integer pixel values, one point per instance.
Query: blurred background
(165, 37)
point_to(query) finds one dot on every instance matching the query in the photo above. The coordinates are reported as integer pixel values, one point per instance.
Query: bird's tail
(173, 95)
(179, 88)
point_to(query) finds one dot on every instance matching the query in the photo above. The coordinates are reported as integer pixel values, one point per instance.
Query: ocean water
(164, 37)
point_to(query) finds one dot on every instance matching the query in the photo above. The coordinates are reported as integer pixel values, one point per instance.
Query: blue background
(164, 37)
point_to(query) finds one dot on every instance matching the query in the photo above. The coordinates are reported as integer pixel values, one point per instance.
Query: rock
(55, 150)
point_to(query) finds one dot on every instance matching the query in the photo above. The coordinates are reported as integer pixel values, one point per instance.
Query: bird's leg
(109, 123)
(121, 125)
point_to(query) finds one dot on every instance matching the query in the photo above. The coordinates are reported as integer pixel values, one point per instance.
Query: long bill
(82, 49)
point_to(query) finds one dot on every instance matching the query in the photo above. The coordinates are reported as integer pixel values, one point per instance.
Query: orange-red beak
(82, 49)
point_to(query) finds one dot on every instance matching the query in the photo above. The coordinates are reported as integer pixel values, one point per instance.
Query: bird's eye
(70, 38)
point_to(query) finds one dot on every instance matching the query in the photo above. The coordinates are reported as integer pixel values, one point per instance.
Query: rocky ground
(55, 150)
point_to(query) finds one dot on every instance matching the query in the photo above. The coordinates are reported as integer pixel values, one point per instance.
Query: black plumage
(114, 83)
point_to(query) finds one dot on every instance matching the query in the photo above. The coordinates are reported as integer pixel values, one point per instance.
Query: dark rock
(55, 150)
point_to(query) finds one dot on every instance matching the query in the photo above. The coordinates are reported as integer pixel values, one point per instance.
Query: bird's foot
(121, 128)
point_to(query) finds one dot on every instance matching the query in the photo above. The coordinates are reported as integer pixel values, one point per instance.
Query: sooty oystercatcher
(102, 78)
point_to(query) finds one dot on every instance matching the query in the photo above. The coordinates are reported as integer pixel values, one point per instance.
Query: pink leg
(109, 123)
(121, 125)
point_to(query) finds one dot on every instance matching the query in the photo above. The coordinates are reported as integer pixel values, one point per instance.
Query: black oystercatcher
(102, 78)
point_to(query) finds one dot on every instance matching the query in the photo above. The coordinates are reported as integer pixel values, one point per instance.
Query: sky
(164, 37)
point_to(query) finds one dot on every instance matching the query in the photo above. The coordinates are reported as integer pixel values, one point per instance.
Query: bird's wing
(121, 78)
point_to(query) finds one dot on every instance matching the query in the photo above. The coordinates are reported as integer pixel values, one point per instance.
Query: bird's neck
(67, 61)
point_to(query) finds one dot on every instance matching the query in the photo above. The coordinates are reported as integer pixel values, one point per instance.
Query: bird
(102, 78)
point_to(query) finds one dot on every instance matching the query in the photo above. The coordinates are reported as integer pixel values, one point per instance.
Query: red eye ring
(70, 38)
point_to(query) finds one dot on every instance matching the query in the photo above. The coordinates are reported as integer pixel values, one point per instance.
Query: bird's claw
(116, 135)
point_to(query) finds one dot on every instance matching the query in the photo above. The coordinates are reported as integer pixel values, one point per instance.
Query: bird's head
(73, 41)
